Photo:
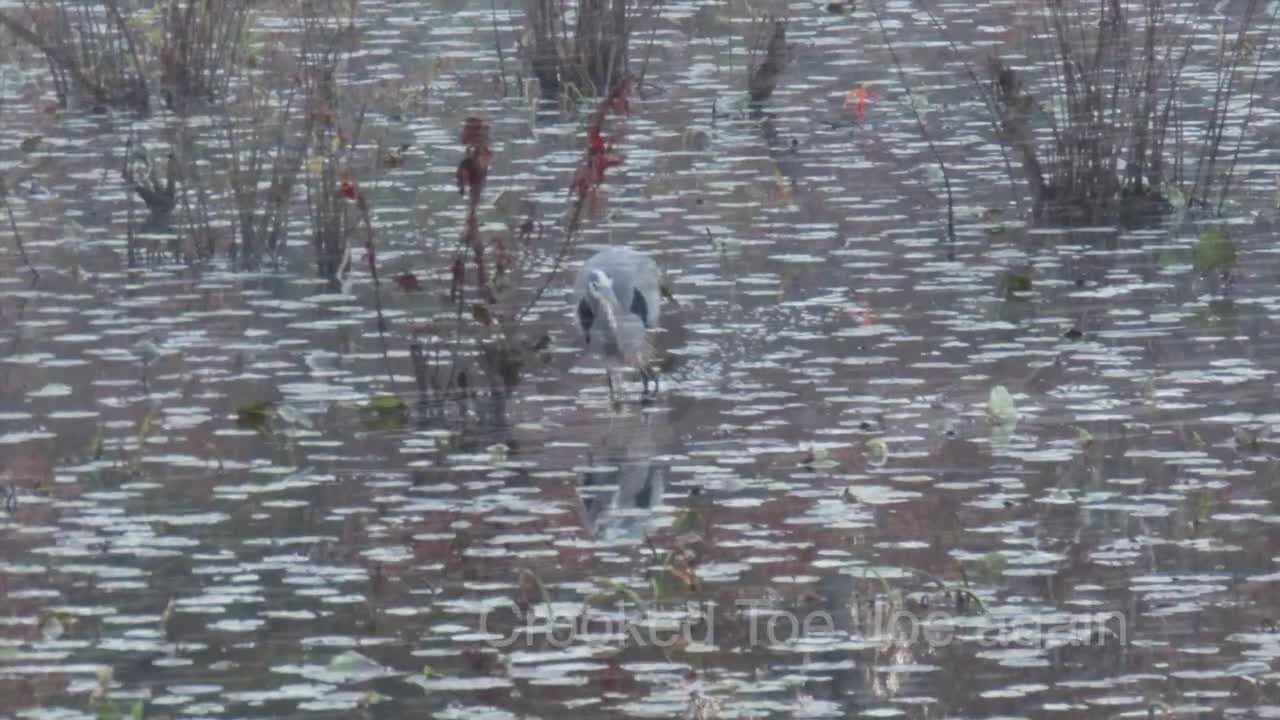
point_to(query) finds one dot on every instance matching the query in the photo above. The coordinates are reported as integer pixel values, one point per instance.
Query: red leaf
(596, 141)
(619, 100)
(408, 282)
(463, 175)
(475, 132)
(473, 171)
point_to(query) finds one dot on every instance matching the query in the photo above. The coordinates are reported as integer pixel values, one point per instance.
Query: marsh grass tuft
(588, 60)
(767, 56)
(113, 53)
(200, 42)
(1103, 138)
(93, 53)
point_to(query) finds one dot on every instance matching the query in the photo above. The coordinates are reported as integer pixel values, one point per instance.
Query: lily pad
(255, 415)
(1214, 251)
(1000, 405)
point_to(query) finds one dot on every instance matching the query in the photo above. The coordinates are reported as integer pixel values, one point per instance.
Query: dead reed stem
(17, 234)
(924, 131)
(767, 57)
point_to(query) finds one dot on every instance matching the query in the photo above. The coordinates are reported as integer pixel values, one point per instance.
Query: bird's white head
(599, 285)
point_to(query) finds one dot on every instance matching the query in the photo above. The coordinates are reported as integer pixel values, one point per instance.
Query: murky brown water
(822, 444)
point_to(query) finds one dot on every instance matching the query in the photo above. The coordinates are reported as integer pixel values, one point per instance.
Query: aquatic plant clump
(115, 53)
(1118, 130)
(587, 62)
(94, 54)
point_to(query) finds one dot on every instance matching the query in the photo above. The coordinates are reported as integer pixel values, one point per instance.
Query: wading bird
(618, 295)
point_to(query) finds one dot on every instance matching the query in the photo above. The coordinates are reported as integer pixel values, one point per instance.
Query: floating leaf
(618, 589)
(481, 313)
(254, 415)
(385, 412)
(855, 101)
(819, 457)
(1247, 438)
(1000, 405)
(353, 663)
(294, 415)
(877, 451)
(1016, 282)
(1214, 251)
(137, 712)
(394, 157)
(1084, 437)
(507, 204)
(385, 404)
(672, 581)
(52, 628)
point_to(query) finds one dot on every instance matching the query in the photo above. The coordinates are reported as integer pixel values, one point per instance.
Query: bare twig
(988, 99)
(497, 44)
(924, 131)
(17, 234)
(582, 186)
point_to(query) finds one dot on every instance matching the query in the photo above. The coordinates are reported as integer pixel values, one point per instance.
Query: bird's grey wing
(640, 307)
(585, 315)
(633, 274)
(646, 289)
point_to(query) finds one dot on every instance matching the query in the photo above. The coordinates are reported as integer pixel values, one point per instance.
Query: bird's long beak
(605, 310)
(665, 290)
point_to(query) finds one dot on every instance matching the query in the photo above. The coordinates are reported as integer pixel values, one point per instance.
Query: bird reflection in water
(622, 484)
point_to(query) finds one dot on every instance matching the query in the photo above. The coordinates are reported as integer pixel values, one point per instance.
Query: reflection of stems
(570, 235)
(1235, 155)
(924, 132)
(582, 187)
(17, 235)
(497, 44)
(377, 288)
(648, 48)
(988, 100)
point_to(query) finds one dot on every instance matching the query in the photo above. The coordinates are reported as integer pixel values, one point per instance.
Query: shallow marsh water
(823, 423)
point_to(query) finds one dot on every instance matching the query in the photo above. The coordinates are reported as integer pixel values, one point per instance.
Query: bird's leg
(648, 375)
(608, 375)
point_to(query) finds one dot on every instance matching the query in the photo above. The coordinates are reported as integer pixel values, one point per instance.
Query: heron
(618, 294)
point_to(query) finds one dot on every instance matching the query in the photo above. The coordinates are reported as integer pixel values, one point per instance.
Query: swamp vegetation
(968, 359)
